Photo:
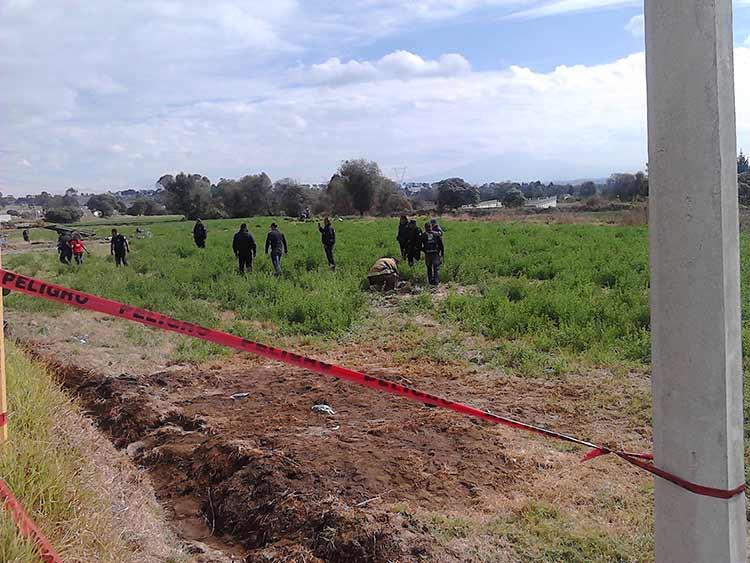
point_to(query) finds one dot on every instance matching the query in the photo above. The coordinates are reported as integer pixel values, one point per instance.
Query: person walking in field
(199, 234)
(244, 248)
(119, 248)
(384, 274)
(403, 236)
(64, 251)
(414, 242)
(328, 238)
(436, 228)
(25, 234)
(78, 248)
(276, 245)
(432, 246)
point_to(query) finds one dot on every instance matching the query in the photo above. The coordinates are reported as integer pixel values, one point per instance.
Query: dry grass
(84, 496)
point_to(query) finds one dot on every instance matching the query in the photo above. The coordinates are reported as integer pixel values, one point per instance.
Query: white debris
(323, 409)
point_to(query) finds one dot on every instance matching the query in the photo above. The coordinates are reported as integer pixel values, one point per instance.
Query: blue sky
(112, 94)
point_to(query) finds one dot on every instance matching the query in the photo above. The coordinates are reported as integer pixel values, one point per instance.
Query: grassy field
(547, 291)
(540, 301)
(51, 468)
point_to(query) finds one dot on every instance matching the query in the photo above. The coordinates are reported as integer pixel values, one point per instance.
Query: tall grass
(577, 289)
(47, 474)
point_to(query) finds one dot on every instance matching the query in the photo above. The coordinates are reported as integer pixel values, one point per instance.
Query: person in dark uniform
(63, 248)
(199, 234)
(25, 234)
(328, 238)
(119, 248)
(432, 246)
(276, 245)
(414, 243)
(402, 236)
(244, 248)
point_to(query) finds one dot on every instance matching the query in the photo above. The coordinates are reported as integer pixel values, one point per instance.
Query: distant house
(542, 203)
(488, 204)
(5, 218)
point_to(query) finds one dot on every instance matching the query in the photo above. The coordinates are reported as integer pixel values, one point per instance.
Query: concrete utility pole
(695, 302)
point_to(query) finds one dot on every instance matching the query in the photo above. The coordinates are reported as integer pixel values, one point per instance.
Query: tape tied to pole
(67, 296)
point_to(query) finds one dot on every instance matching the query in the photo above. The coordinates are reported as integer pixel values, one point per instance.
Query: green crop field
(576, 291)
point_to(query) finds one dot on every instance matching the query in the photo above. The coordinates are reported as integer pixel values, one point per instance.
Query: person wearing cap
(199, 234)
(244, 248)
(432, 246)
(276, 245)
(384, 274)
(328, 238)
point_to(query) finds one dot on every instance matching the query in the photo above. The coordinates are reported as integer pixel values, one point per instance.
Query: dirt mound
(263, 476)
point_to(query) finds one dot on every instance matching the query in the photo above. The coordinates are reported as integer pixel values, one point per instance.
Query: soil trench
(263, 477)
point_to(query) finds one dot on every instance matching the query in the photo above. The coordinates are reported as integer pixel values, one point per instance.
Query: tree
(588, 189)
(361, 179)
(743, 164)
(64, 215)
(389, 199)
(189, 195)
(145, 206)
(743, 188)
(642, 182)
(338, 199)
(514, 198)
(106, 204)
(248, 196)
(455, 192)
(292, 200)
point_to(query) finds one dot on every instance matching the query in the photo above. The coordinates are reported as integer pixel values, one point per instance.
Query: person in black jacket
(328, 238)
(414, 242)
(244, 248)
(403, 236)
(432, 246)
(63, 248)
(276, 244)
(118, 247)
(199, 234)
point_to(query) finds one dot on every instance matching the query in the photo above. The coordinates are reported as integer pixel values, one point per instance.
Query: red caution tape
(59, 294)
(26, 526)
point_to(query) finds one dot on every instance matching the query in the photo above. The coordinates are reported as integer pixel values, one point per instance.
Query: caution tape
(26, 526)
(67, 296)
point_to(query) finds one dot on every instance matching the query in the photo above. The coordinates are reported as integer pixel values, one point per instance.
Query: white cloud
(108, 94)
(557, 7)
(636, 26)
(24, 163)
(401, 65)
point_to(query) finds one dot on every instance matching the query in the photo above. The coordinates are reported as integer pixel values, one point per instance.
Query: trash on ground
(323, 409)
(237, 396)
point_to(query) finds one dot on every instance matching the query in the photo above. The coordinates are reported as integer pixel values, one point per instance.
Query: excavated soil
(265, 477)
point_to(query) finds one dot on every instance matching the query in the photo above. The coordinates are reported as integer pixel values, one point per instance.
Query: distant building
(542, 203)
(5, 218)
(488, 204)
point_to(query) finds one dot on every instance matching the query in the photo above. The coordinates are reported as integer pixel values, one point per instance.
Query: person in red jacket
(78, 248)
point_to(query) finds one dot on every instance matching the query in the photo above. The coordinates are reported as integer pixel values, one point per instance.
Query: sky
(113, 94)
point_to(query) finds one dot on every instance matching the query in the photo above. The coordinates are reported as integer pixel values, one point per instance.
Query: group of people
(70, 247)
(411, 239)
(414, 242)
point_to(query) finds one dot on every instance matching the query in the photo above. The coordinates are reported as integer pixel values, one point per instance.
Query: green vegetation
(545, 294)
(50, 475)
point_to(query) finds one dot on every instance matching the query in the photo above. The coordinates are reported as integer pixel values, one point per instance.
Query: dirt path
(265, 478)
